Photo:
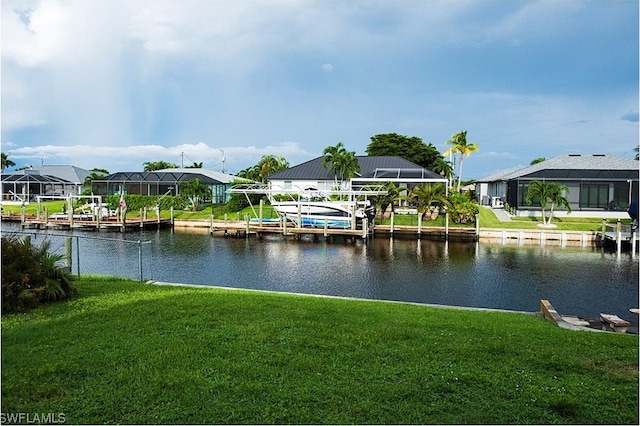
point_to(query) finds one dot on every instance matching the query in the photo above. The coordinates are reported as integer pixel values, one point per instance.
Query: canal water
(583, 281)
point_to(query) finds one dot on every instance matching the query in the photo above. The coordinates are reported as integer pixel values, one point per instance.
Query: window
(594, 196)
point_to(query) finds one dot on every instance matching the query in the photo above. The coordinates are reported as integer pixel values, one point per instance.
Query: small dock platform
(619, 235)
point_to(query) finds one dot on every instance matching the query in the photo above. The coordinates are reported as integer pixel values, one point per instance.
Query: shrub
(461, 208)
(31, 275)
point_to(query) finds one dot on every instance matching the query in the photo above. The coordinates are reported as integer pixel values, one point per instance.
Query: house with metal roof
(596, 183)
(26, 184)
(160, 182)
(373, 170)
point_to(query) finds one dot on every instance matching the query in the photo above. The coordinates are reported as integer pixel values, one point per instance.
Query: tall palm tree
(460, 145)
(341, 162)
(6, 162)
(545, 193)
(428, 194)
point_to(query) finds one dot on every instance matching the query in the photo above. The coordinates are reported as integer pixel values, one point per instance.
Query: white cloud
(327, 68)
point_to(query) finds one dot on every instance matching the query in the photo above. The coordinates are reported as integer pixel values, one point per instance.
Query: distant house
(373, 170)
(162, 182)
(597, 183)
(45, 181)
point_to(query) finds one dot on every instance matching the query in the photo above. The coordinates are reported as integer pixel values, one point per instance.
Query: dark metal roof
(379, 167)
(179, 175)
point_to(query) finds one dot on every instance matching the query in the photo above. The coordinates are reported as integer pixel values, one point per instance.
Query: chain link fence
(88, 255)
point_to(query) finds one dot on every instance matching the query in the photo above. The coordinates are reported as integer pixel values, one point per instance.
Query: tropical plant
(6, 162)
(461, 208)
(459, 144)
(95, 174)
(637, 150)
(428, 196)
(341, 162)
(195, 166)
(151, 166)
(270, 164)
(383, 201)
(195, 191)
(546, 193)
(32, 275)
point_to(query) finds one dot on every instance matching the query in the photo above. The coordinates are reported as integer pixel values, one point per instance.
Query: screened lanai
(162, 182)
(23, 187)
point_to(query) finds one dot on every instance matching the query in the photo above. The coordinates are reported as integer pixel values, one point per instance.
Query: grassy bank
(123, 352)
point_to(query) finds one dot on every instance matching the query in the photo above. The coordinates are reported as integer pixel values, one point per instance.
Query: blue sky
(115, 83)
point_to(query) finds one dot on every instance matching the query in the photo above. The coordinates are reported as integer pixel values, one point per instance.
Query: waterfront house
(46, 180)
(160, 182)
(598, 183)
(374, 170)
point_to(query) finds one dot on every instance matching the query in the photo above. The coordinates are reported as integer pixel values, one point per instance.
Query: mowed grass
(125, 352)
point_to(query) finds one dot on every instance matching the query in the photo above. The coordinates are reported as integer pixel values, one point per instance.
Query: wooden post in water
(46, 216)
(446, 225)
(477, 225)
(619, 237)
(70, 211)
(260, 212)
(353, 217)
(141, 218)
(98, 217)
(23, 214)
(604, 231)
(392, 217)
(247, 219)
(419, 225)
(326, 229)
(299, 224)
(365, 227)
(171, 216)
(284, 225)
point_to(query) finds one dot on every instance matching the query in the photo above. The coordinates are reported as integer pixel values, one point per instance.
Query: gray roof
(370, 167)
(168, 176)
(73, 174)
(573, 166)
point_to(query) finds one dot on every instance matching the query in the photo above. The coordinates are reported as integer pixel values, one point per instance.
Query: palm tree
(270, 164)
(383, 201)
(428, 194)
(460, 145)
(151, 166)
(545, 193)
(6, 162)
(195, 191)
(637, 150)
(343, 163)
(195, 166)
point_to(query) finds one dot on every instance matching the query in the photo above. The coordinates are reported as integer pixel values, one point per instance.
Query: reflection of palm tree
(460, 145)
(6, 162)
(545, 193)
(428, 194)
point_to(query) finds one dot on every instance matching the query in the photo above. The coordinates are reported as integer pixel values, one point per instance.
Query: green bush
(137, 202)
(31, 275)
(461, 208)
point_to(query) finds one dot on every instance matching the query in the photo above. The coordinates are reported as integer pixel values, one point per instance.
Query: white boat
(313, 208)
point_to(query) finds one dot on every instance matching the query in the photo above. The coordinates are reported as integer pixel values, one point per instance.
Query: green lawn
(123, 352)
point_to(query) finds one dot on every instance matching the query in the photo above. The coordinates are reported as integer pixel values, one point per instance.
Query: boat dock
(89, 224)
(619, 235)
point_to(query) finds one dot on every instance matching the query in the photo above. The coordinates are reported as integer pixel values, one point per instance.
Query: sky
(113, 84)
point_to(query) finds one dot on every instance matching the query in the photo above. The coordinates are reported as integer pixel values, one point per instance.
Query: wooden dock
(130, 224)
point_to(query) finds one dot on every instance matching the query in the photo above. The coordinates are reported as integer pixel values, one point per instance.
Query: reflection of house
(373, 170)
(161, 182)
(596, 183)
(44, 180)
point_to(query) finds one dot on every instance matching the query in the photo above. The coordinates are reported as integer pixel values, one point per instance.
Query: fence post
(68, 253)
(78, 255)
(140, 258)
